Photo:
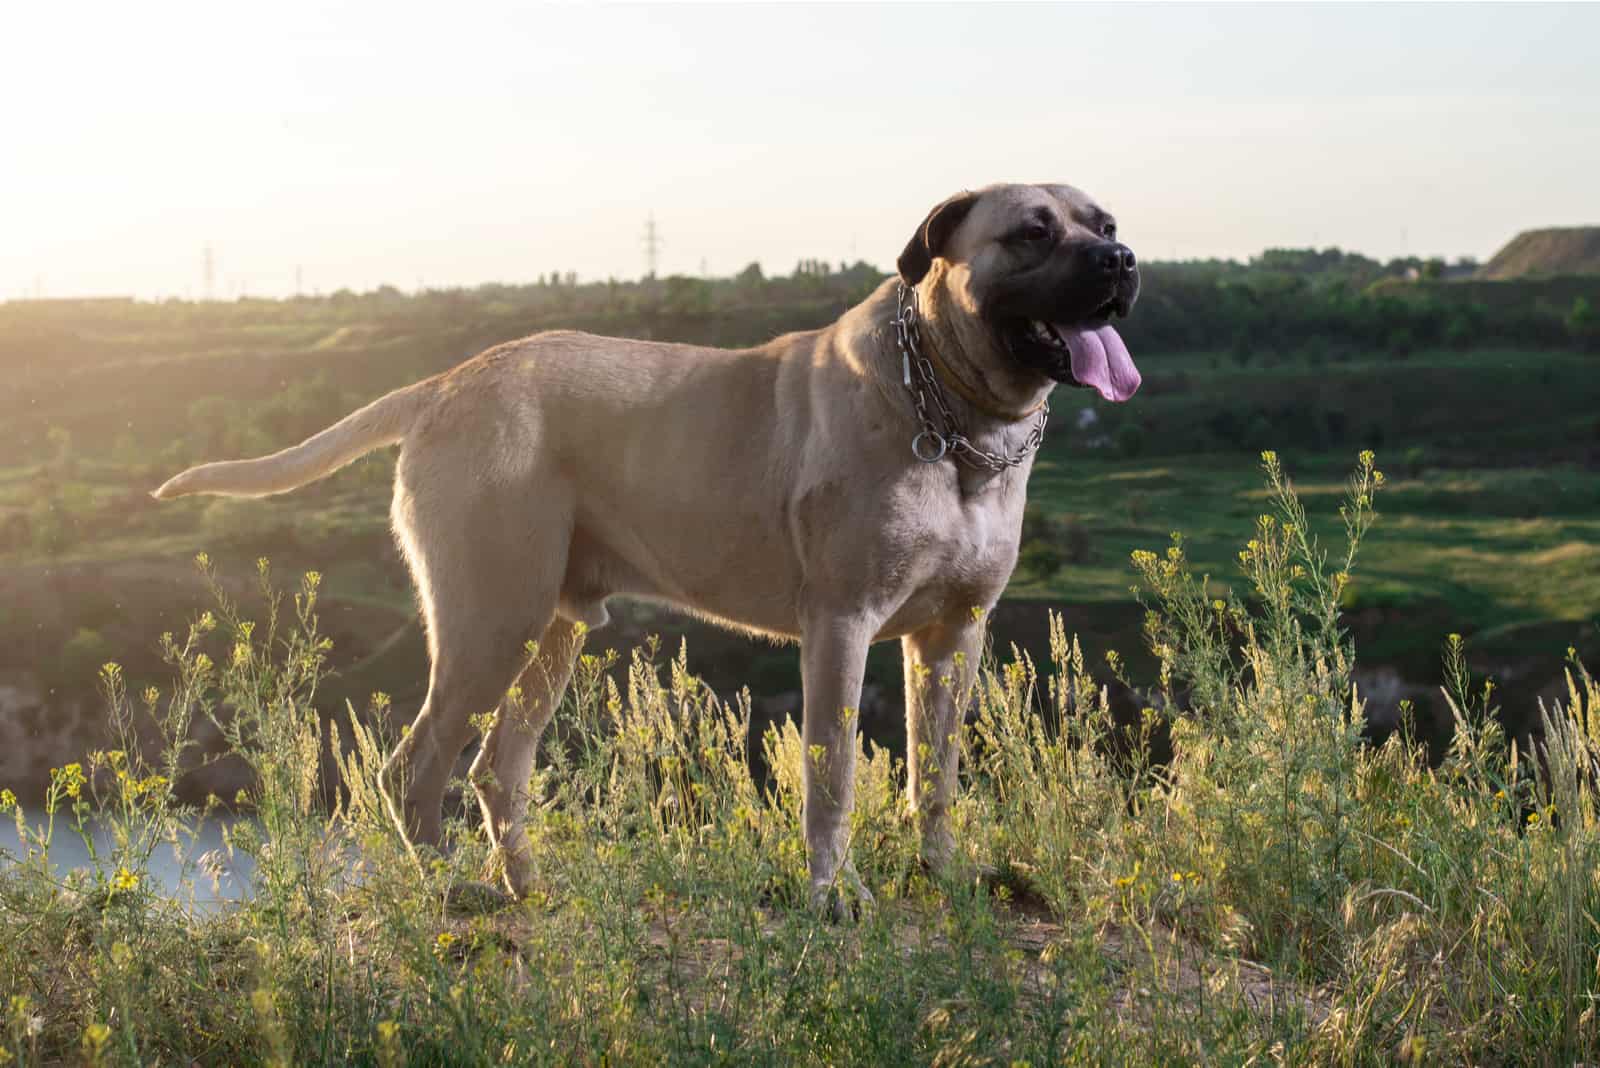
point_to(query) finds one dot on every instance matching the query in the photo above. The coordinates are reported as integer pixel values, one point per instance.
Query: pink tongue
(1101, 360)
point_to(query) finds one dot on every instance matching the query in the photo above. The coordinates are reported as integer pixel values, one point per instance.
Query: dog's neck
(1000, 427)
(992, 391)
(996, 389)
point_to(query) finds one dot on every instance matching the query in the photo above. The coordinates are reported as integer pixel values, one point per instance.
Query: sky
(359, 144)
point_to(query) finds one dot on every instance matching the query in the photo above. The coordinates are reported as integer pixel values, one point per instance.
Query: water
(175, 873)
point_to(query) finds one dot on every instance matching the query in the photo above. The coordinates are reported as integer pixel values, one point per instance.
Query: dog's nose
(1114, 259)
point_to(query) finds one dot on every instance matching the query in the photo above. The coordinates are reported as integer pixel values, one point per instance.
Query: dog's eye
(1033, 232)
(1109, 231)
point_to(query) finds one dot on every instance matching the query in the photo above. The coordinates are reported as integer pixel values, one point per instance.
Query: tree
(687, 296)
(210, 419)
(1583, 324)
(81, 658)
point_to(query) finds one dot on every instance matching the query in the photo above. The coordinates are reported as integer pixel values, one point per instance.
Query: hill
(1543, 253)
(1495, 516)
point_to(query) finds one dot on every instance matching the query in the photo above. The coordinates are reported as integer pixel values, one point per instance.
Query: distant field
(1481, 551)
(1508, 556)
(1490, 528)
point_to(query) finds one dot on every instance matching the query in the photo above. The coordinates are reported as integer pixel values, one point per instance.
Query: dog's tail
(383, 422)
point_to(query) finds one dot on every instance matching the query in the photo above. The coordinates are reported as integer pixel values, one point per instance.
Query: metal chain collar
(931, 445)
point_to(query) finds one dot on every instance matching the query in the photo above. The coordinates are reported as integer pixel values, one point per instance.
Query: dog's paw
(939, 855)
(843, 899)
(512, 869)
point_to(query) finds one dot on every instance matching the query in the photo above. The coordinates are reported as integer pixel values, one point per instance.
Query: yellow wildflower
(390, 1050)
(94, 1037)
(72, 780)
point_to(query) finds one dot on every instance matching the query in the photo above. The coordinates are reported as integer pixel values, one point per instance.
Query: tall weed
(1278, 890)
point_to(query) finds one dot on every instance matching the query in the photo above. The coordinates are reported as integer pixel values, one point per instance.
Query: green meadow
(1277, 891)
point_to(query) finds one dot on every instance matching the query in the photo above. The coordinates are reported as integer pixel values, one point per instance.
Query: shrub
(56, 520)
(246, 524)
(1583, 324)
(1275, 889)
(1416, 458)
(1129, 439)
(1049, 543)
(1040, 560)
(81, 656)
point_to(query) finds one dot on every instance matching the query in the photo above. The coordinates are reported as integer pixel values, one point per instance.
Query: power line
(652, 245)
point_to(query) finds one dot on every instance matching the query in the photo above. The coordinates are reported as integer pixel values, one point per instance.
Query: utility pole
(299, 279)
(652, 245)
(208, 270)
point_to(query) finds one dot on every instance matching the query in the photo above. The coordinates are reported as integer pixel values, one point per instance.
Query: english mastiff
(837, 487)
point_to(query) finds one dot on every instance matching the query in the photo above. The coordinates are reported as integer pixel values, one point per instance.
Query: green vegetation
(1482, 395)
(1276, 892)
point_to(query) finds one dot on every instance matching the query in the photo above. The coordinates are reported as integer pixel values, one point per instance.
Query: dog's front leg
(833, 660)
(941, 662)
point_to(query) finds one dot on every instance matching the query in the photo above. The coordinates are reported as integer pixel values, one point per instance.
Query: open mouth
(1054, 335)
(1087, 352)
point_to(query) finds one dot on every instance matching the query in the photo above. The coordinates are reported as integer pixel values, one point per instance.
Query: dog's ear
(931, 236)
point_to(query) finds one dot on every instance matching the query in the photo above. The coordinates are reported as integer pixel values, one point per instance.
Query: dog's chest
(958, 554)
(975, 548)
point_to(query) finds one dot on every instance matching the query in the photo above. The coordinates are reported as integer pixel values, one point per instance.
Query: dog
(837, 487)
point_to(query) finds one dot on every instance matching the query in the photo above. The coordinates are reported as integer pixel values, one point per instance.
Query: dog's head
(1036, 273)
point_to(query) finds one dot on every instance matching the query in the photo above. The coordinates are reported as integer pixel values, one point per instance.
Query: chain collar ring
(932, 444)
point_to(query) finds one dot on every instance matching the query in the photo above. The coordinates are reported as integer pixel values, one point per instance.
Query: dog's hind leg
(488, 567)
(500, 774)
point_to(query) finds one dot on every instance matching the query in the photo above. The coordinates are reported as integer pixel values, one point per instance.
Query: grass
(1477, 550)
(1465, 550)
(1277, 892)
(1497, 545)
